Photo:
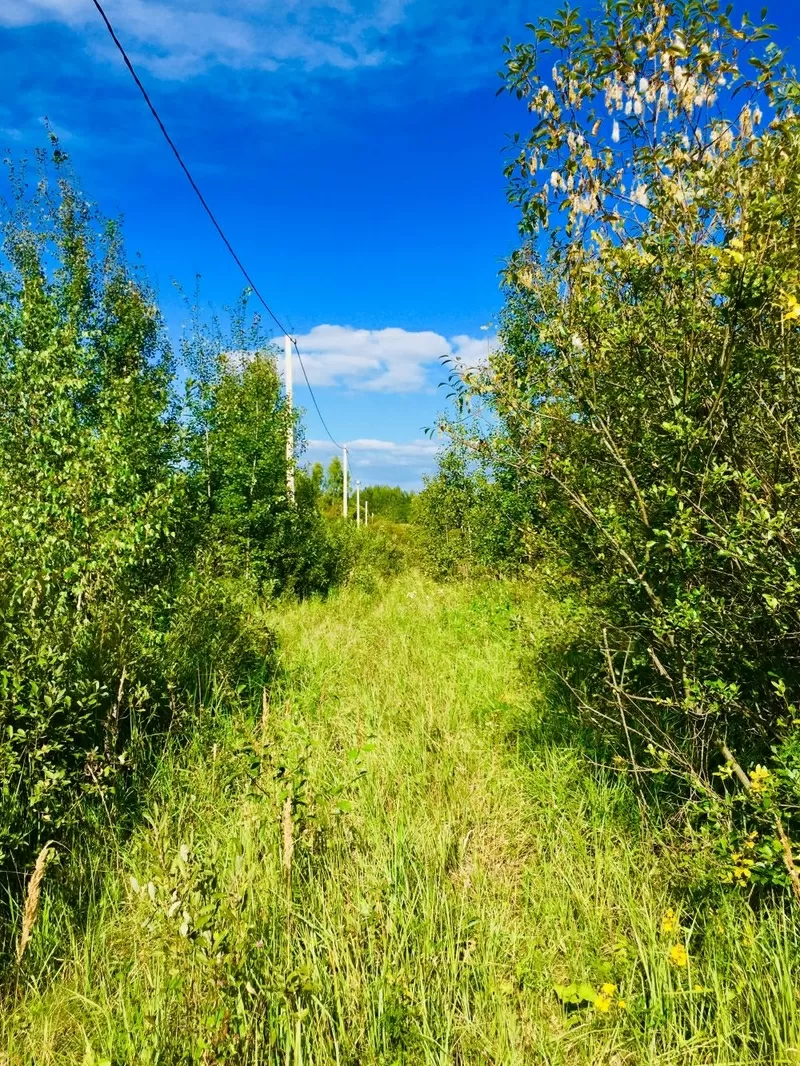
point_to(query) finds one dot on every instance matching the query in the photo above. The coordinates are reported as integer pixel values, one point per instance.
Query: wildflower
(669, 923)
(678, 955)
(742, 869)
(759, 778)
(621, 1004)
(608, 989)
(603, 1003)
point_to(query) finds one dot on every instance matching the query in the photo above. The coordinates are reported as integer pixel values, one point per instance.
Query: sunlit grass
(448, 870)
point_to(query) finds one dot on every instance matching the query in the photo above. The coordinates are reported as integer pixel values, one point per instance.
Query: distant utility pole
(366, 512)
(344, 482)
(358, 502)
(287, 341)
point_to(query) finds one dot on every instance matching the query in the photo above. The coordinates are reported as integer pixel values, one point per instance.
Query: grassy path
(383, 865)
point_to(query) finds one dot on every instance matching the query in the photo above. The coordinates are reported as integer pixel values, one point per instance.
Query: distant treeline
(385, 501)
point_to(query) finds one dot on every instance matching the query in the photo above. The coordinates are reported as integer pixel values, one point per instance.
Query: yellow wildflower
(603, 1003)
(622, 1004)
(669, 923)
(759, 779)
(678, 955)
(608, 990)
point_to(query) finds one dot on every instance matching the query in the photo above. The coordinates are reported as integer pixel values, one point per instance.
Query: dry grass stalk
(288, 836)
(264, 714)
(32, 899)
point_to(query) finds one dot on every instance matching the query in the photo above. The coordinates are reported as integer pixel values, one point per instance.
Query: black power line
(208, 210)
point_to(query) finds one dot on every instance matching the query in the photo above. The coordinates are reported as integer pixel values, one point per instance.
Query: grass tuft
(462, 890)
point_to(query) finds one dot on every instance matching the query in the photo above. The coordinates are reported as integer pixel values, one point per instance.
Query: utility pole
(344, 482)
(358, 502)
(366, 512)
(287, 341)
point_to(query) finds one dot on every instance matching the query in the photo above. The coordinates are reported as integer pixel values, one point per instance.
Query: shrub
(469, 519)
(217, 634)
(645, 392)
(89, 504)
(237, 467)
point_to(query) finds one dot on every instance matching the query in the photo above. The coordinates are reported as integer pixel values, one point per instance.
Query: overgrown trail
(387, 863)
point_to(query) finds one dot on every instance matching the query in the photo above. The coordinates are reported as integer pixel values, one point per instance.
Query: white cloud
(381, 360)
(381, 461)
(180, 38)
(471, 353)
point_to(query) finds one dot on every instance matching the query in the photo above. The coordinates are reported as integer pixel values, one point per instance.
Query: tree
(91, 503)
(389, 502)
(317, 478)
(238, 473)
(646, 386)
(334, 480)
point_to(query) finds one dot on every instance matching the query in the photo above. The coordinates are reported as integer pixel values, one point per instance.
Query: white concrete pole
(366, 512)
(344, 483)
(287, 347)
(358, 502)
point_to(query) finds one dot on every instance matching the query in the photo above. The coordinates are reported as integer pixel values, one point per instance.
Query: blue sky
(352, 149)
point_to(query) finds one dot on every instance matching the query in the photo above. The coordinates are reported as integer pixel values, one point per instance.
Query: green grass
(448, 868)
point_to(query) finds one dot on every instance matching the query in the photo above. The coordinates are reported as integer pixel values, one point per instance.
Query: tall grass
(385, 863)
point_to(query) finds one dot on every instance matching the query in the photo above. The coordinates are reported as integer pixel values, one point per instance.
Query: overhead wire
(209, 212)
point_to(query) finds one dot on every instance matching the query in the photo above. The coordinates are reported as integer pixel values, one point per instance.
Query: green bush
(645, 390)
(469, 520)
(367, 556)
(237, 470)
(388, 502)
(89, 506)
(137, 530)
(217, 634)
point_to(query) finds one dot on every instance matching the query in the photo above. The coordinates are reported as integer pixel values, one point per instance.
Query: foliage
(238, 468)
(467, 518)
(89, 507)
(136, 530)
(454, 878)
(367, 556)
(646, 386)
(217, 636)
(389, 502)
(332, 484)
